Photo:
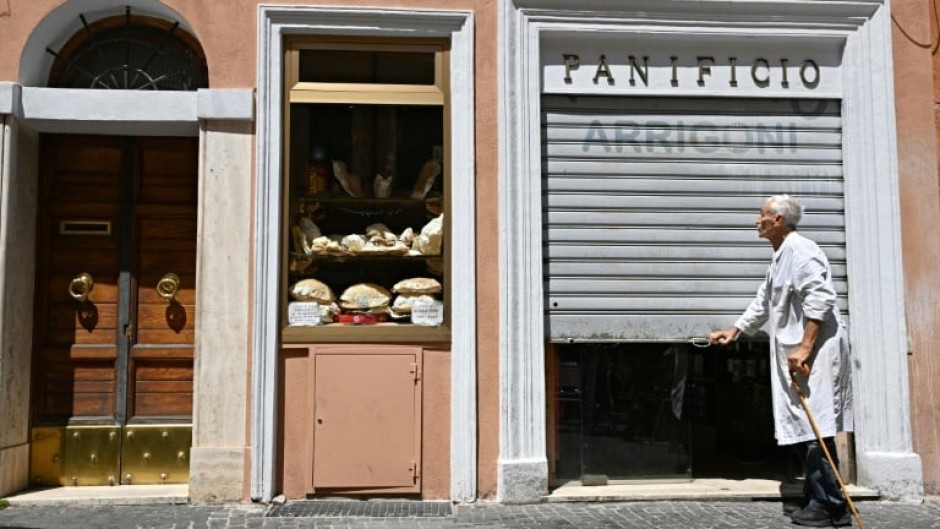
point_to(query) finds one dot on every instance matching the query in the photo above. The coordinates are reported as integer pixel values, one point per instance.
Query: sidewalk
(430, 515)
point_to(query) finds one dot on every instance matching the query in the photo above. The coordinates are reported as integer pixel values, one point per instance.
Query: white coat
(798, 286)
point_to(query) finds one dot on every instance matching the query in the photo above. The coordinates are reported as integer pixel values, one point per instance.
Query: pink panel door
(367, 421)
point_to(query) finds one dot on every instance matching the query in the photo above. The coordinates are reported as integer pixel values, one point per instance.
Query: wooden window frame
(437, 94)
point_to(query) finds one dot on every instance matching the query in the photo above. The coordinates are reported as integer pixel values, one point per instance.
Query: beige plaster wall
(487, 200)
(435, 425)
(917, 105)
(294, 460)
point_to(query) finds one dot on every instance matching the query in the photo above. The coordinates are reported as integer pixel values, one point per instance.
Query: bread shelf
(327, 258)
(370, 203)
(365, 333)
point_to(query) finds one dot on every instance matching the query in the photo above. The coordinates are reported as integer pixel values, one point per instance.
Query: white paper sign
(303, 314)
(427, 312)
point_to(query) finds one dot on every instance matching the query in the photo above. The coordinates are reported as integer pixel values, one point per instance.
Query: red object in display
(361, 318)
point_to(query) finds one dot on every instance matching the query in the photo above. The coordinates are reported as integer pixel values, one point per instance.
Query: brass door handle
(81, 287)
(168, 286)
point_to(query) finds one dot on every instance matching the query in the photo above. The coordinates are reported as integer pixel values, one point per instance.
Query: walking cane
(822, 443)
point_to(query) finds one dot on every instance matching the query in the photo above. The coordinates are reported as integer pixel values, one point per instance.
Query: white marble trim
(131, 112)
(79, 104)
(522, 469)
(64, 104)
(225, 104)
(10, 98)
(883, 438)
(275, 22)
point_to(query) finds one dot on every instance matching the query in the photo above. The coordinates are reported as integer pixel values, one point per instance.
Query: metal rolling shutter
(650, 203)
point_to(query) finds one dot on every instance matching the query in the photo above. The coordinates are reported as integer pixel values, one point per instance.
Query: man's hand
(799, 360)
(724, 337)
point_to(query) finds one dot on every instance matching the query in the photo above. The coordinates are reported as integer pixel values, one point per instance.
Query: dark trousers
(820, 485)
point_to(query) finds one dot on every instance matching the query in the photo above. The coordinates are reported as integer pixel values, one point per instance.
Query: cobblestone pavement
(639, 515)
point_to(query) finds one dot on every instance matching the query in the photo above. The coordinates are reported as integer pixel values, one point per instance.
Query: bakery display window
(365, 230)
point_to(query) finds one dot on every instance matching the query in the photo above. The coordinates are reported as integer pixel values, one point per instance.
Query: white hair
(787, 206)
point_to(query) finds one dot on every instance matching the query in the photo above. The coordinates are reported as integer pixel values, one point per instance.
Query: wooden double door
(115, 310)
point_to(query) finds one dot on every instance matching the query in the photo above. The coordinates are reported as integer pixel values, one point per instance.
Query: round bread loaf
(312, 290)
(365, 296)
(417, 286)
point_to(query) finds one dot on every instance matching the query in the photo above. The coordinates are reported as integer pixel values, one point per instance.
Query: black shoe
(792, 506)
(841, 517)
(813, 516)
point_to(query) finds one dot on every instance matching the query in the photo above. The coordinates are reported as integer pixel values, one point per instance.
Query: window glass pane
(135, 57)
(367, 204)
(345, 66)
(394, 141)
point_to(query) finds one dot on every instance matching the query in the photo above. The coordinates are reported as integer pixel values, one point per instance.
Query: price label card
(303, 314)
(427, 313)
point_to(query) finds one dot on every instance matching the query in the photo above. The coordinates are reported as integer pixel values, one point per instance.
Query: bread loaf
(417, 286)
(365, 296)
(312, 290)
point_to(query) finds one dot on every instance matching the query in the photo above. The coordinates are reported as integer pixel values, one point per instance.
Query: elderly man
(807, 340)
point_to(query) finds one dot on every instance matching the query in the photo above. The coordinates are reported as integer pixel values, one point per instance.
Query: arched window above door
(130, 52)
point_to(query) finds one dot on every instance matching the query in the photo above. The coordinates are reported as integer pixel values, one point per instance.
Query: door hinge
(415, 371)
